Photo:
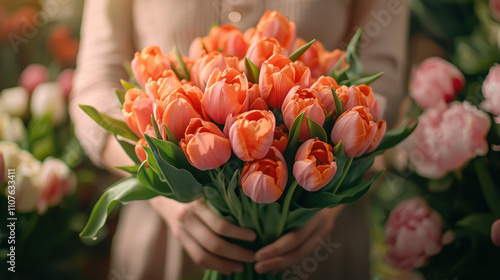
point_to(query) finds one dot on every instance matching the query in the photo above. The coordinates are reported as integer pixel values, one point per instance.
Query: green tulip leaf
(251, 71)
(110, 124)
(479, 223)
(121, 95)
(394, 137)
(298, 53)
(316, 130)
(367, 80)
(127, 85)
(181, 62)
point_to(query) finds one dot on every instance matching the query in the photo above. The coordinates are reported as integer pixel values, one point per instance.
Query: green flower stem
(33, 220)
(254, 215)
(344, 173)
(286, 208)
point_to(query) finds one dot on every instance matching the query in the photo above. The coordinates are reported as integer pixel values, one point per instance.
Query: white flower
(57, 181)
(14, 101)
(11, 129)
(48, 98)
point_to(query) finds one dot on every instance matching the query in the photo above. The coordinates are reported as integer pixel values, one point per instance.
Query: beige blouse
(113, 30)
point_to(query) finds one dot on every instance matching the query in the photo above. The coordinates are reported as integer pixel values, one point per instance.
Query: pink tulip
(32, 76)
(495, 233)
(436, 81)
(446, 138)
(301, 100)
(274, 25)
(314, 165)
(58, 181)
(205, 145)
(278, 75)
(251, 134)
(65, 81)
(263, 180)
(204, 67)
(491, 92)
(137, 110)
(414, 232)
(262, 49)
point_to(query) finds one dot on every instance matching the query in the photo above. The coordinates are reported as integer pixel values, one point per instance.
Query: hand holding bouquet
(265, 128)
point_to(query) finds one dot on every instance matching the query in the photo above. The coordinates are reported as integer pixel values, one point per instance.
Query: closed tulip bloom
(280, 141)
(262, 49)
(361, 95)
(226, 93)
(149, 63)
(356, 129)
(48, 98)
(274, 25)
(204, 67)
(227, 38)
(265, 179)
(255, 101)
(57, 181)
(311, 57)
(314, 165)
(435, 82)
(323, 87)
(205, 146)
(329, 60)
(32, 76)
(159, 89)
(278, 75)
(301, 100)
(251, 134)
(178, 108)
(137, 110)
(139, 146)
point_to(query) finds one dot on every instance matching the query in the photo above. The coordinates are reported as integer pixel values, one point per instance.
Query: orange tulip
(149, 63)
(274, 25)
(362, 95)
(226, 93)
(323, 87)
(381, 129)
(328, 60)
(262, 49)
(280, 140)
(311, 58)
(160, 88)
(251, 134)
(356, 129)
(205, 145)
(264, 180)
(204, 67)
(301, 100)
(137, 110)
(278, 75)
(178, 108)
(314, 165)
(139, 146)
(227, 38)
(256, 102)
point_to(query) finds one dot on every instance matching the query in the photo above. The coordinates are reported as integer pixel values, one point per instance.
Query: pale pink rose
(495, 9)
(414, 232)
(495, 233)
(65, 81)
(436, 81)
(446, 138)
(57, 181)
(491, 91)
(32, 76)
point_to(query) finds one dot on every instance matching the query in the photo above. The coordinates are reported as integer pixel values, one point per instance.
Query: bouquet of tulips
(264, 127)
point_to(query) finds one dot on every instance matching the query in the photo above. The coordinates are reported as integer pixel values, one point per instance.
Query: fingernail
(238, 268)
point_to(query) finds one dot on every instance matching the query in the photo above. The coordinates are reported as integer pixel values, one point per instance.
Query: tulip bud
(264, 180)
(495, 233)
(275, 25)
(205, 146)
(251, 134)
(46, 99)
(32, 76)
(262, 49)
(323, 87)
(14, 101)
(57, 180)
(137, 110)
(301, 100)
(12, 129)
(314, 165)
(204, 67)
(356, 129)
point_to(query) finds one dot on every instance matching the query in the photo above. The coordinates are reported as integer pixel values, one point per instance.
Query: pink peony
(491, 92)
(436, 81)
(414, 232)
(447, 138)
(32, 76)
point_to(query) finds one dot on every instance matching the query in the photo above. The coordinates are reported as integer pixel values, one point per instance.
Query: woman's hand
(295, 246)
(199, 231)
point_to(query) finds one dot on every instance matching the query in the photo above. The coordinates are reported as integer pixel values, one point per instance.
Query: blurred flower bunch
(439, 210)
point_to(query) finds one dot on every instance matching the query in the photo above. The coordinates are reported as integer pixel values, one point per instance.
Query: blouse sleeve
(106, 43)
(384, 48)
